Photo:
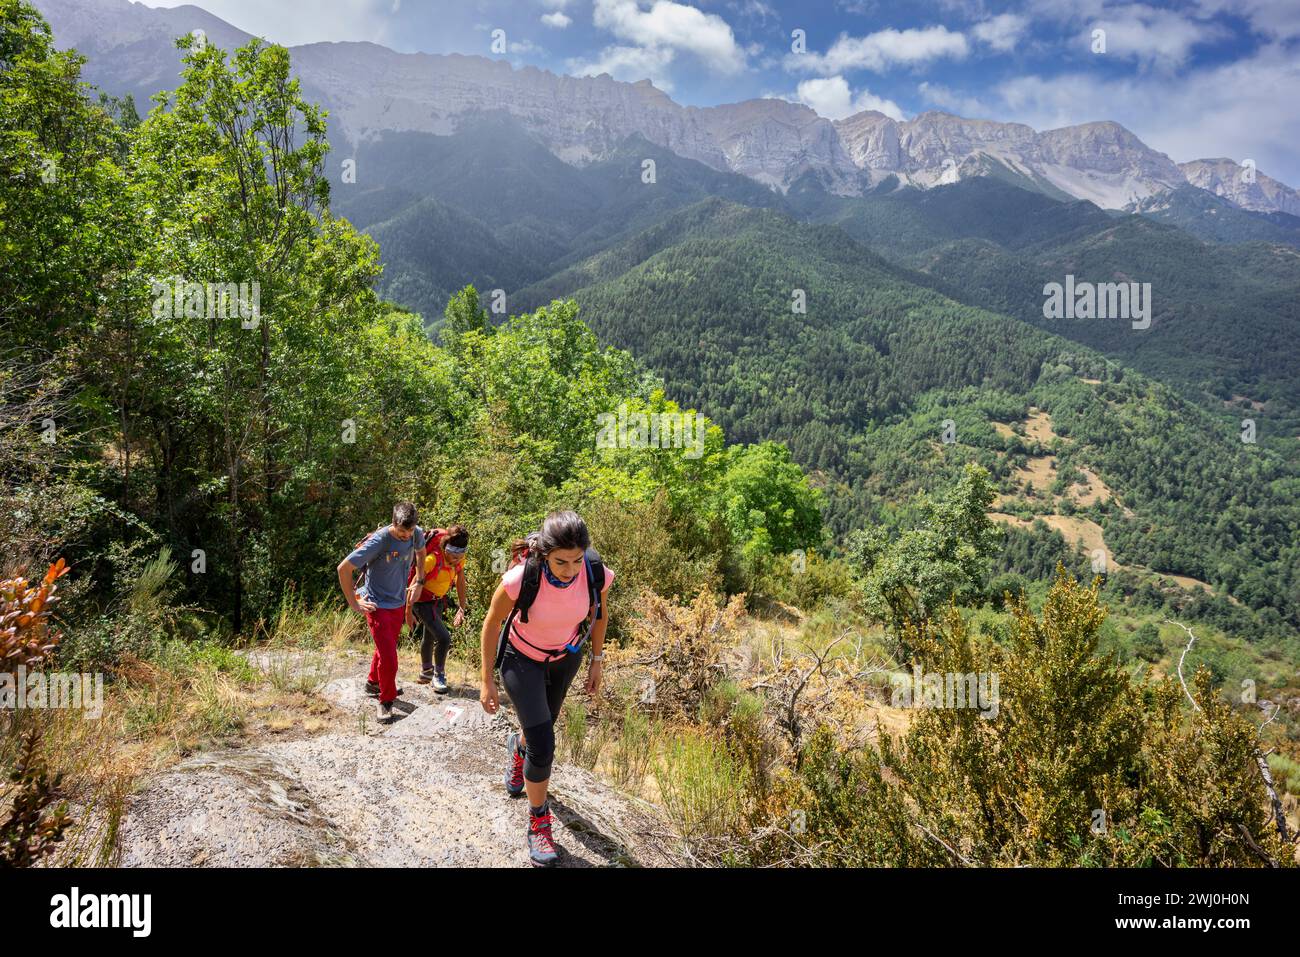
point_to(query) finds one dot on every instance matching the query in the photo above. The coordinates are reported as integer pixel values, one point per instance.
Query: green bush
(1146, 643)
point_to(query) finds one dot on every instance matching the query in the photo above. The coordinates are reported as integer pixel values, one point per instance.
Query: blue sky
(1202, 78)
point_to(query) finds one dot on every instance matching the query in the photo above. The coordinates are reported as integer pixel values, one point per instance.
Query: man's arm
(417, 582)
(346, 573)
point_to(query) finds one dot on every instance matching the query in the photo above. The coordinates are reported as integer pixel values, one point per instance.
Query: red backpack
(434, 536)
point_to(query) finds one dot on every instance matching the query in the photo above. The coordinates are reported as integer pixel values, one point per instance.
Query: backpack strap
(361, 578)
(529, 585)
(595, 598)
(430, 536)
(595, 584)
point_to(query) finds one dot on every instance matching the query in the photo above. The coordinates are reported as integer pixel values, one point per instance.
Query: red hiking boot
(515, 767)
(541, 848)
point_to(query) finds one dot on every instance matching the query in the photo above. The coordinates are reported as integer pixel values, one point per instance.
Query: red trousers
(385, 624)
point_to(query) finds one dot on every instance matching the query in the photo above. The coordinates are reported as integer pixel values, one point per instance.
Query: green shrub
(707, 794)
(634, 747)
(1146, 643)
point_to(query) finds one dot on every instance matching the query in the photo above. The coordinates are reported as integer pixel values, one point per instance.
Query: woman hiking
(444, 565)
(548, 607)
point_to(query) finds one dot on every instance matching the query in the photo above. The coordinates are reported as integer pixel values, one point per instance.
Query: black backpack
(528, 588)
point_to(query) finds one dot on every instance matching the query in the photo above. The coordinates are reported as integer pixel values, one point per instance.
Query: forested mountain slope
(1223, 316)
(490, 205)
(861, 384)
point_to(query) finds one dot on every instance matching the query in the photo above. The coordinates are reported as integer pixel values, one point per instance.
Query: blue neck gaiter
(550, 576)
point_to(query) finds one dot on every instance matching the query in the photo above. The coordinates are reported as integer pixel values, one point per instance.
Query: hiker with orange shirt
(444, 565)
(548, 605)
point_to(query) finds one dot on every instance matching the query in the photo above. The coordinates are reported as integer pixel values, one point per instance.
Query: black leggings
(537, 691)
(436, 639)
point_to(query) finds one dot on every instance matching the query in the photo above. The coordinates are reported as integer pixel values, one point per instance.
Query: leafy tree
(942, 558)
(1146, 642)
(464, 314)
(60, 194)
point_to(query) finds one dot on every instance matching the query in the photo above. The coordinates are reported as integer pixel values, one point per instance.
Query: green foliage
(463, 315)
(769, 507)
(258, 454)
(706, 791)
(258, 441)
(1146, 643)
(941, 559)
(62, 228)
(1079, 765)
(839, 811)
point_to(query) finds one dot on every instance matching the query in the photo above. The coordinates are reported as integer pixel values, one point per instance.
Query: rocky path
(425, 791)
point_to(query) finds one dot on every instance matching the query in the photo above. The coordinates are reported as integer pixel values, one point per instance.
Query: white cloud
(557, 19)
(628, 63)
(1244, 109)
(672, 27)
(758, 10)
(1002, 32)
(287, 24)
(951, 101)
(1153, 36)
(877, 51)
(1272, 18)
(1150, 35)
(832, 98)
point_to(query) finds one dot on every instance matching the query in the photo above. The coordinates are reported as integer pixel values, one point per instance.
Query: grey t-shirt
(387, 562)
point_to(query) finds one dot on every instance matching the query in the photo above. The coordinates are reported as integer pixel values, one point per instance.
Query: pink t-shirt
(556, 613)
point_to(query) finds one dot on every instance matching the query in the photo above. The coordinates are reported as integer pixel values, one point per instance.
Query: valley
(466, 272)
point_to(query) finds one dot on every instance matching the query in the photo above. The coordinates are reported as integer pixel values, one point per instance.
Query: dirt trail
(425, 791)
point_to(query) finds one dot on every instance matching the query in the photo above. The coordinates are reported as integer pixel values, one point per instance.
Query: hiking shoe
(426, 676)
(515, 769)
(372, 689)
(541, 849)
(384, 712)
(440, 683)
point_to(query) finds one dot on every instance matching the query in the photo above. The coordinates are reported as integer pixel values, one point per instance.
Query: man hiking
(384, 557)
(549, 605)
(444, 564)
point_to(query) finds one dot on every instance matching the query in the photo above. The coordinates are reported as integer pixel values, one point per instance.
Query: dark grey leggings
(436, 639)
(537, 691)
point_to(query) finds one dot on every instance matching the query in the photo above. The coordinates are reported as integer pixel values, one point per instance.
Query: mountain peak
(1242, 185)
(370, 89)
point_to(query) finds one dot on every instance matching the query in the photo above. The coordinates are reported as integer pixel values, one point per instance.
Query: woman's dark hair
(457, 536)
(560, 530)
